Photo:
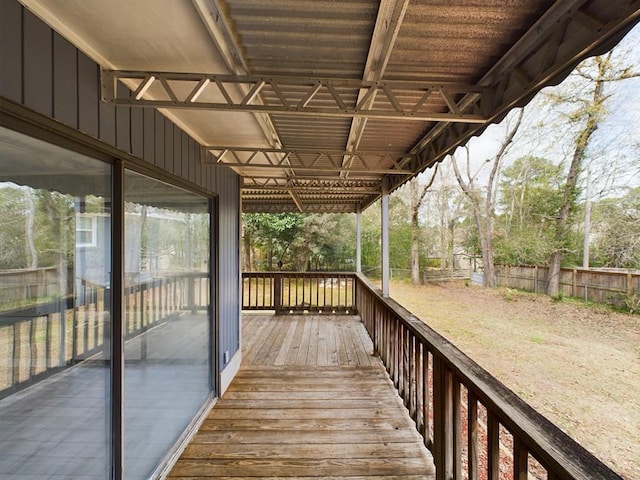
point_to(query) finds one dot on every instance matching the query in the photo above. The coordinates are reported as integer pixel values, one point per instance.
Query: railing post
(374, 327)
(191, 293)
(277, 292)
(442, 420)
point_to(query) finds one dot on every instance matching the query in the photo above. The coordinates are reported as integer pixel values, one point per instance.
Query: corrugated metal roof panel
(512, 48)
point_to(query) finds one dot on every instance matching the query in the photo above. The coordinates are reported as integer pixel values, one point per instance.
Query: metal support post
(359, 241)
(384, 234)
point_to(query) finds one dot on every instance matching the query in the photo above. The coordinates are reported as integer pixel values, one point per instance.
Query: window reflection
(167, 358)
(54, 311)
(55, 320)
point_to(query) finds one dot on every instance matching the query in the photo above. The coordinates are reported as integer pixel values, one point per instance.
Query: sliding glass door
(55, 314)
(63, 413)
(166, 322)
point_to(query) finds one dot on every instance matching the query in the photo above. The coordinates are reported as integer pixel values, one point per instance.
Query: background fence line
(614, 287)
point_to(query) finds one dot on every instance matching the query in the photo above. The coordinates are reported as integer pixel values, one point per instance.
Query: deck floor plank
(310, 401)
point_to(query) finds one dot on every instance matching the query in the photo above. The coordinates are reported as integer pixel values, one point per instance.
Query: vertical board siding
(228, 185)
(168, 145)
(11, 50)
(137, 132)
(37, 65)
(158, 158)
(46, 73)
(177, 151)
(123, 122)
(149, 134)
(107, 122)
(94, 117)
(65, 81)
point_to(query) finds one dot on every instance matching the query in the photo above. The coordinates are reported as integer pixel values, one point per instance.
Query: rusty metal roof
(316, 103)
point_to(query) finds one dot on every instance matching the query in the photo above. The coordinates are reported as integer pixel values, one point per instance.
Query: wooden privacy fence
(289, 292)
(474, 426)
(18, 285)
(601, 286)
(40, 340)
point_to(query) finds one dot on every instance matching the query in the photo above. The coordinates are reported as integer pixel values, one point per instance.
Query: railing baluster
(96, 320)
(47, 345)
(493, 446)
(62, 336)
(85, 327)
(520, 460)
(16, 354)
(443, 419)
(472, 435)
(410, 369)
(457, 430)
(33, 348)
(426, 411)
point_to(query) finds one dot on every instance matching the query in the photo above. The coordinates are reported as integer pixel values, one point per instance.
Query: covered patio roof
(318, 104)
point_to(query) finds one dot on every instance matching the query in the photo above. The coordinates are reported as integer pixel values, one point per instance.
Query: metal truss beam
(341, 207)
(313, 189)
(302, 159)
(309, 96)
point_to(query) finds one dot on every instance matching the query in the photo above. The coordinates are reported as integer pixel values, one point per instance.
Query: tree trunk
(246, 248)
(593, 115)
(31, 245)
(415, 248)
(485, 232)
(416, 202)
(553, 279)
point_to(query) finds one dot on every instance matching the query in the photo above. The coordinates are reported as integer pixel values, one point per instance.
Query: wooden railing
(38, 341)
(474, 425)
(318, 292)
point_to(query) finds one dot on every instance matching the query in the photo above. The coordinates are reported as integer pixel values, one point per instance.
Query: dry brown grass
(579, 366)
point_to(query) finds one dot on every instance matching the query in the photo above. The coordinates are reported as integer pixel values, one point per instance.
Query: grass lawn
(578, 365)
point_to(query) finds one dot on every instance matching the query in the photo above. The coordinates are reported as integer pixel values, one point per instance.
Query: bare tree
(30, 220)
(417, 197)
(588, 113)
(483, 205)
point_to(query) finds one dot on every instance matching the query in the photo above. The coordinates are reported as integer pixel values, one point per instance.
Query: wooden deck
(310, 401)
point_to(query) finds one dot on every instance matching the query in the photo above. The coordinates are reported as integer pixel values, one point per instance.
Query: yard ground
(578, 365)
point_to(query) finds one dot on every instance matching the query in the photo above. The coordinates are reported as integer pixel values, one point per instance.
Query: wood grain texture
(310, 401)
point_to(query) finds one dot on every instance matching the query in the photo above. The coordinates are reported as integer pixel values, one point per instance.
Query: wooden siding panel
(177, 151)
(91, 117)
(149, 134)
(227, 187)
(38, 65)
(123, 122)
(11, 51)
(137, 132)
(185, 155)
(159, 140)
(192, 160)
(65, 81)
(168, 145)
(107, 123)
